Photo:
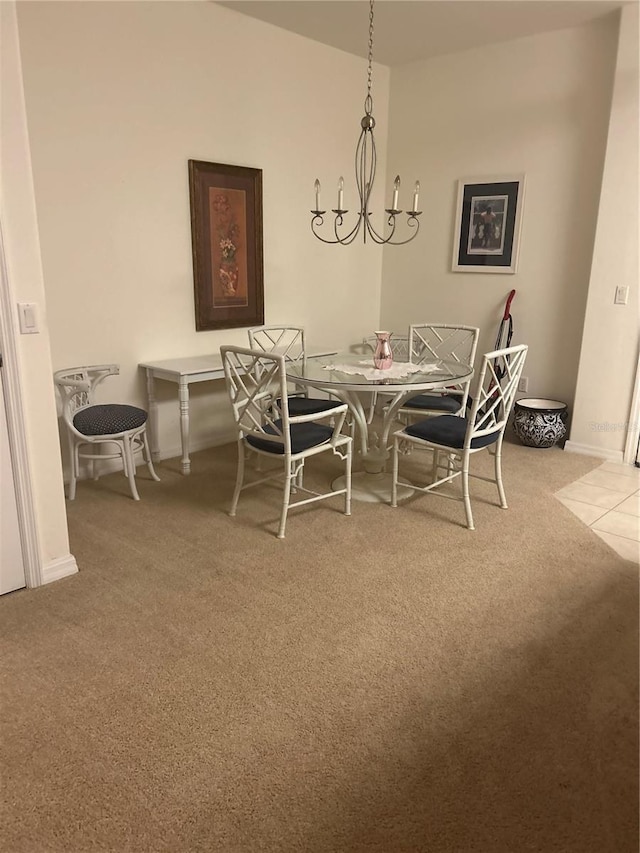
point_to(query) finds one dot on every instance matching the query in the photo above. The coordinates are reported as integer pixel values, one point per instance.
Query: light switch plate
(622, 295)
(28, 318)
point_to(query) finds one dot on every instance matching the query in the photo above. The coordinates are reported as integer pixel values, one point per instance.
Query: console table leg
(184, 425)
(153, 417)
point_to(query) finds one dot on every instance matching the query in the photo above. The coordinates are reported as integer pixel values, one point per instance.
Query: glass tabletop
(327, 371)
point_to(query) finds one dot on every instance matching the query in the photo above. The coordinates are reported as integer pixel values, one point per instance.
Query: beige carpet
(387, 682)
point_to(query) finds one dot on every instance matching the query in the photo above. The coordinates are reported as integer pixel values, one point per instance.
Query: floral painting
(228, 247)
(226, 231)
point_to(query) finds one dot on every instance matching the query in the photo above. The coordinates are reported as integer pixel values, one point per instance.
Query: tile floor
(607, 499)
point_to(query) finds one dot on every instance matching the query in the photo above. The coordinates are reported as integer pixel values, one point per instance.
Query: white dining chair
(91, 426)
(440, 342)
(458, 437)
(256, 379)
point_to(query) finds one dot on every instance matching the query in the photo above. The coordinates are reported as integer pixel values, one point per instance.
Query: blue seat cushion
(435, 402)
(109, 420)
(448, 430)
(303, 436)
(309, 405)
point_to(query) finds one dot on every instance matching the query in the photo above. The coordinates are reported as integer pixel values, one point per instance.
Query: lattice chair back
(288, 341)
(77, 388)
(495, 393)
(443, 342)
(254, 380)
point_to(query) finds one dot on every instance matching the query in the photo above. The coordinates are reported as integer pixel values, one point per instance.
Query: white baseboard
(61, 567)
(598, 452)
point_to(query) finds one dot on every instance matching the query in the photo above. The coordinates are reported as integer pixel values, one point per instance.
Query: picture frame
(487, 225)
(226, 237)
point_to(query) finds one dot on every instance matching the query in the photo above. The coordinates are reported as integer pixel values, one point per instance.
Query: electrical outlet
(523, 384)
(622, 295)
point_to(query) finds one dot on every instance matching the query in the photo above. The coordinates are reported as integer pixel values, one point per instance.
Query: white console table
(183, 372)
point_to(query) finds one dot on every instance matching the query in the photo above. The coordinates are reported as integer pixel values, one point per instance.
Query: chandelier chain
(370, 57)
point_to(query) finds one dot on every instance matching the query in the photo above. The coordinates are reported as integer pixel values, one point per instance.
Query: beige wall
(609, 354)
(45, 532)
(538, 105)
(118, 100)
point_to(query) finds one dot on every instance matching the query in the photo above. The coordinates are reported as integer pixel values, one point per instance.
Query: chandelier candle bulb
(317, 189)
(340, 193)
(396, 187)
(415, 197)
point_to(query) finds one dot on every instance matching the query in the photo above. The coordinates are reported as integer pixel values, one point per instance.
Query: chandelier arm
(318, 221)
(346, 241)
(350, 237)
(372, 168)
(375, 236)
(320, 237)
(359, 169)
(412, 222)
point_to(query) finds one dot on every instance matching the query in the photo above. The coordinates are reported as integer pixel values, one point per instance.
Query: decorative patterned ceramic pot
(540, 422)
(383, 355)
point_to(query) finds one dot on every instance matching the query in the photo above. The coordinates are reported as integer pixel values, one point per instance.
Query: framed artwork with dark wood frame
(226, 235)
(488, 220)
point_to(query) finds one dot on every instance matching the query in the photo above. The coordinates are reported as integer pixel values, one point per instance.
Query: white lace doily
(398, 369)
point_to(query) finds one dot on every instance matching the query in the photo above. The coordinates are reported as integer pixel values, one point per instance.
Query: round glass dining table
(349, 377)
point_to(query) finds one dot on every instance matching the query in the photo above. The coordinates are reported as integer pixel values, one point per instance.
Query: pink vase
(383, 355)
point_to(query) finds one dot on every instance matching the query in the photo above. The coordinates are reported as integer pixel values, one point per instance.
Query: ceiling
(411, 30)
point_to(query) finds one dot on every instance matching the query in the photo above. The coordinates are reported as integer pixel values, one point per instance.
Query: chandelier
(365, 175)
